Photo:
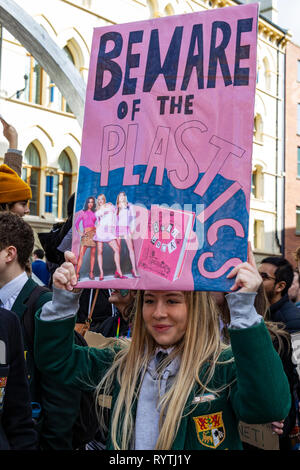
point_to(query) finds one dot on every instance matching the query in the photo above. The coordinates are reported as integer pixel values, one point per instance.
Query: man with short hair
(39, 267)
(59, 404)
(277, 275)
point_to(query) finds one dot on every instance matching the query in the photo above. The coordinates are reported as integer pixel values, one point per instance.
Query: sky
(289, 17)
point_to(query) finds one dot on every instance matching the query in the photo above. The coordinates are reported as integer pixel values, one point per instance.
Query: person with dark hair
(59, 405)
(277, 275)
(119, 324)
(87, 219)
(39, 267)
(16, 424)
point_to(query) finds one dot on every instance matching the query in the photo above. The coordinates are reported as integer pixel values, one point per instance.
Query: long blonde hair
(200, 345)
(97, 202)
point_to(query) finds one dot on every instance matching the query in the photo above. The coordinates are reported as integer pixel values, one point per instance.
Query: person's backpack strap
(28, 317)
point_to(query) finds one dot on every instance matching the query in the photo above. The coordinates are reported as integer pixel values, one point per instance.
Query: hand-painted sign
(165, 172)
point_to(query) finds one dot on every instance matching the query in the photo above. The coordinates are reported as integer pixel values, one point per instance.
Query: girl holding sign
(174, 385)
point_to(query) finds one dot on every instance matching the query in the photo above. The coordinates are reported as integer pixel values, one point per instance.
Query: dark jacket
(110, 326)
(60, 403)
(286, 312)
(39, 268)
(16, 425)
(102, 310)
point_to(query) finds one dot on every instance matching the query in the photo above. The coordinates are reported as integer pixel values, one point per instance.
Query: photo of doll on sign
(105, 231)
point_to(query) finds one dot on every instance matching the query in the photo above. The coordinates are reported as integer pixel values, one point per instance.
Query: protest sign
(163, 193)
(259, 435)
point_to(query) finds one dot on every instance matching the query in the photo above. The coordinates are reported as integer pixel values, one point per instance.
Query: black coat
(286, 312)
(109, 326)
(16, 425)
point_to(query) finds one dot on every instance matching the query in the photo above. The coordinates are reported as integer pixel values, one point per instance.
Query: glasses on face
(266, 276)
(124, 292)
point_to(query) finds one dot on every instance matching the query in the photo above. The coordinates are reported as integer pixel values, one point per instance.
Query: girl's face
(165, 315)
(101, 200)
(122, 198)
(21, 208)
(90, 203)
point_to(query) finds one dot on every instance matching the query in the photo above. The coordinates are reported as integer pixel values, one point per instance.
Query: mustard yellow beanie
(12, 187)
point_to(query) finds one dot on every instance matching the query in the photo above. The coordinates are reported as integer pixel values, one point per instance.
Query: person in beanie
(14, 192)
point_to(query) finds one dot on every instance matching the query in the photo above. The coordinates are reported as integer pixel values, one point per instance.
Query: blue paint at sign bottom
(227, 245)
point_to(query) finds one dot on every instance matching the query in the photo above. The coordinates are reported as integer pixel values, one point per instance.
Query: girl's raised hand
(65, 276)
(247, 278)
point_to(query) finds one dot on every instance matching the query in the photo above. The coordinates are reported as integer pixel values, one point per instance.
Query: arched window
(64, 184)
(31, 174)
(259, 235)
(59, 187)
(56, 99)
(267, 74)
(257, 183)
(35, 76)
(64, 105)
(258, 128)
(169, 10)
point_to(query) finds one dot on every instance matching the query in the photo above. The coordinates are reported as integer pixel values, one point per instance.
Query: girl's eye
(148, 301)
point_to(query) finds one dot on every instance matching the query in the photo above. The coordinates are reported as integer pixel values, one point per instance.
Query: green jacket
(60, 403)
(257, 392)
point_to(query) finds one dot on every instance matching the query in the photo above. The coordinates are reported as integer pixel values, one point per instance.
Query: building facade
(292, 150)
(50, 135)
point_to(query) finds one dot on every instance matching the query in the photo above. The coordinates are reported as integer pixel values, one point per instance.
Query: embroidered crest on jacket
(210, 429)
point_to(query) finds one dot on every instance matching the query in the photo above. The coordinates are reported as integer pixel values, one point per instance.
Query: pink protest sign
(165, 172)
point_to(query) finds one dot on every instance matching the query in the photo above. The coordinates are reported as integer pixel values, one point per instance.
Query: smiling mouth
(161, 328)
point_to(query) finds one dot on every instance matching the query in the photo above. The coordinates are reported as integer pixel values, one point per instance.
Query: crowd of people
(176, 370)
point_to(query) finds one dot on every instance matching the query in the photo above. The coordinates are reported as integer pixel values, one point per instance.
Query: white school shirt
(10, 291)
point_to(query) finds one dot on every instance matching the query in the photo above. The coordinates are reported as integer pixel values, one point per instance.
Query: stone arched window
(64, 183)
(259, 235)
(258, 128)
(64, 105)
(55, 97)
(31, 173)
(257, 182)
(34, 82)
(267, 74)
(169, 10)
(59, 187)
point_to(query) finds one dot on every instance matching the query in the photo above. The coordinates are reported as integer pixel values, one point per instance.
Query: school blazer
(16, 425)
(257, 388)
(60, 403)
